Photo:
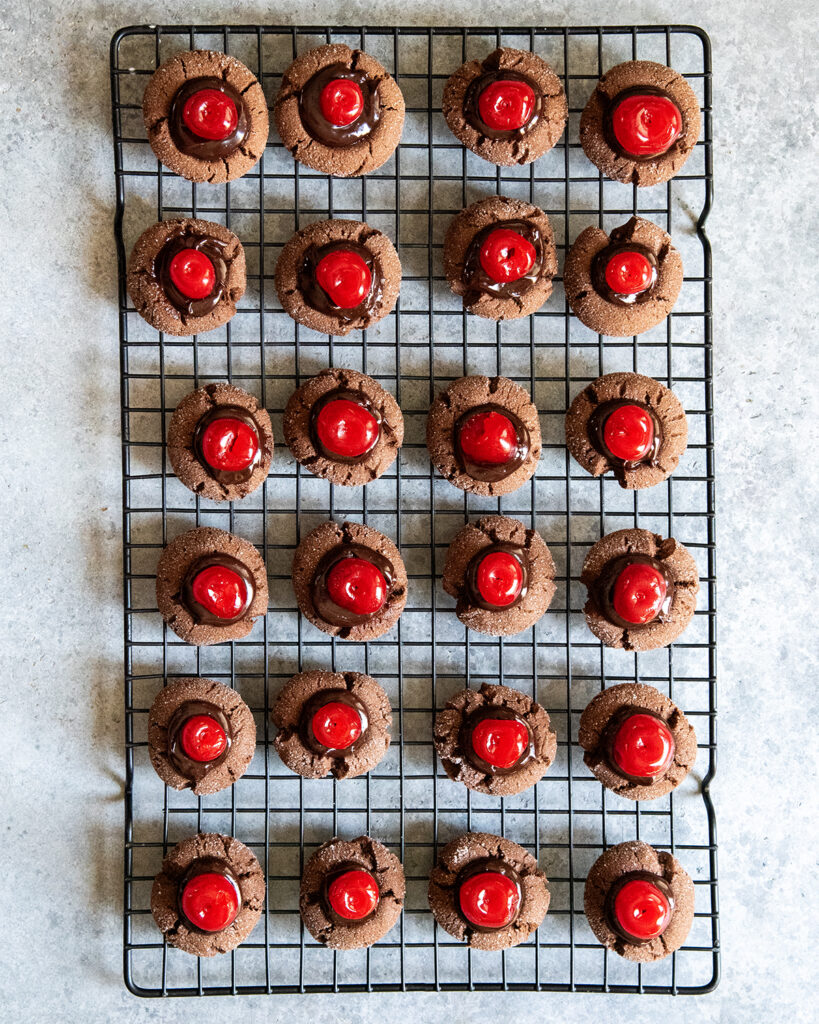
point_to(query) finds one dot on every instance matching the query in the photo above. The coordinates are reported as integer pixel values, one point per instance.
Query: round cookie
(658, 273)
(300, 265)
(367, 113)
(169, 101)
(376, 421)
(601, 569)
(153, 292)
(638, 77)
(327, 547)
(500, 723)
(214, 853)
(194, 552)
(188, 700)
(520, 94)
(525, 261)
(657, 451)
(476, 396)
(600, 724)
(328, 865)
(522, 566)
(640, 859)
(187, 431)
(478, 851)
(304, 696)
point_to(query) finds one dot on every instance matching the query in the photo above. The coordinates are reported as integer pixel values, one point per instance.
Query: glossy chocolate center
(599, 436)
(488, 894)
(315, 705)
(602, 276)
(642, 123)
(350, 894)
(192, 767)
(470, 745)
(607, 581)
(204, 616)
(478, 282)
(340, 430)
(316, 297)
(492, 472)
(180, 240)
(487, 87)
(226, 412)
(191, 144)
(639, 907)
(477, 595)
(209, 897)
(314, 107)
(325, 606)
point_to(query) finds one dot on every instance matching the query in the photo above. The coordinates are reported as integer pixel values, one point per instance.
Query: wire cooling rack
(407, 802)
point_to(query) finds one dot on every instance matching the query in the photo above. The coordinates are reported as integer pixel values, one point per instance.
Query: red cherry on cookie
(639, 593)
(643, 747)
(341, 101)
(336, 725)
(220, 590)
(345, 277)
(192, 273)
(506, 255)
(501, 742)
(210, 901)
(629, 273)
(353, 894)
(641, 909)
(357, 585)
(488, 438)
(499, 578)
(229, 444)
(646, 125)
(202, 738)
(210, 114)
(628, 432)
(489, 899)
(346, 428)
(506, 105)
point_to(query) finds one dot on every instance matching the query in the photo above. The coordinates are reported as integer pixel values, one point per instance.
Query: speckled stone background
(60, 649)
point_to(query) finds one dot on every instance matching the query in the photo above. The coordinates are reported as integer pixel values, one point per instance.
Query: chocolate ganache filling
(329, 878)
(317, 125)
(224, 412)
(206, 866)
(608, 131)
(194, 145)
(605, 747)
(212, 248)
(476, 87)
(476, 279)
(315, 704)
(601, 261)
(611, 918)
(203, 616)
(478, 867)
(596, 433)
(466, 745)
(493, 472)
(187, 766)
(325, 606)
(473, 593)
(318, 298)
(343, 394)
(604, 587)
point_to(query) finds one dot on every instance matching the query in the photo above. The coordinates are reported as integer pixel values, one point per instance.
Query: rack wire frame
(568, 819)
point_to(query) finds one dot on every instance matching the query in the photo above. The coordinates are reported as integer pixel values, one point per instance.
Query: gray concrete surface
(60, 649)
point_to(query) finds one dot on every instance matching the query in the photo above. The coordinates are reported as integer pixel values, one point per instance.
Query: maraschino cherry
(202, 738)
(336, 725)
(210, 901)
(344, 276)
(220, 590)
(642, 909)
(643, 747)
(210, 114)
(353, 894)
(506, 105)
(628, 432)
(500, 742)
(229, 444)
(488, 438)
(489, 899)
(357, 586)
(629, 273)
(341, 102)
(192, 273)
(639, 593)
(346, 428)
(506, 255)
(646, 125)
(499, 578)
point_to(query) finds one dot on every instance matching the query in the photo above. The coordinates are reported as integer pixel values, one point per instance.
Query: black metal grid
(427, 341)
